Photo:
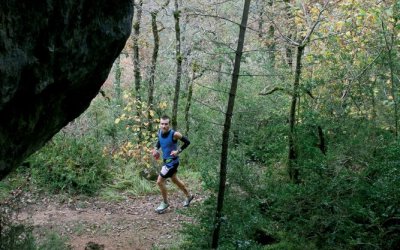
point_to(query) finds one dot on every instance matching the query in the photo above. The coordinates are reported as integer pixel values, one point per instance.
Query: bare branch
(307, 37)
(213, 89)
(208, 106)
(219, 17)
(274, 90)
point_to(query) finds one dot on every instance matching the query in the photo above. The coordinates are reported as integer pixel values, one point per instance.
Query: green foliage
(20, 236)
(339, 206)
(139, 121)
(127, 178)
(15, 236)
(53, 241)
(268, 141)
(197, 235)
(13, 181)
(241, 224)
(73, 165)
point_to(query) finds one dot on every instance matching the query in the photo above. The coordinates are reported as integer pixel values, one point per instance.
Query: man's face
(164, 125)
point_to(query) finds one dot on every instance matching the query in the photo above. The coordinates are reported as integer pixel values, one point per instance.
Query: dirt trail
(129, 224)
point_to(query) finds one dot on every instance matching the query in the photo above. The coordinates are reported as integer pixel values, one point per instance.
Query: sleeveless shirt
(168, 144)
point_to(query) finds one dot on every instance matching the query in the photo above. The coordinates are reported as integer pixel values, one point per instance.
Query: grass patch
(127, 179)
(11, 182)
(52, 241)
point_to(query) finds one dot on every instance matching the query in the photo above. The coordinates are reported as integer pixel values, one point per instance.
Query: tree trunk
(260, 7)
(179, 59)
(292, 157)
(189, 101)
(393, 88)
(219, 75)
(321, 138)
(154, 57)
(136, 59)
(117, 83)
(227, 125)
(288, 50)
(271, 44)
(394, 93)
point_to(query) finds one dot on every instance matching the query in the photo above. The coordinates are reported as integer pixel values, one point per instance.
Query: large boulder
(54, 57)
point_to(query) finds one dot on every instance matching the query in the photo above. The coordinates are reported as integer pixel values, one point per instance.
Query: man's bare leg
(182, 187)
(180, 184)
(163, 188)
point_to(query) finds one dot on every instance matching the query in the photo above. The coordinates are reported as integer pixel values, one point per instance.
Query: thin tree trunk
(260, 7)
(271, 37)
(288, 50)
(189, 102)
(154, 57)
(227, 126)
(153, 66)
(321, 136)
(117, 83)
(219, 75)
(136, 58)
(192, 78)
(292, 157)
(373, 118)
(179, 60)
(393, 92)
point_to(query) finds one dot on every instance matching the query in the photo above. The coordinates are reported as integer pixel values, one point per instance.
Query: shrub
(14, 236)
(68, 164)
(348, 208)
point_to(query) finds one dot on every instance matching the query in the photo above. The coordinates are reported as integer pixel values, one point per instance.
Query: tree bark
(154, 57)
(192, 78)
(288, 50)
(136, 59)
(117, 83)
(189, 102)
(321, 137)
(179, 60)
(292, 157)
(393, 88)
(271, 37)
(260, 7)
(227, 126)
(153, 66)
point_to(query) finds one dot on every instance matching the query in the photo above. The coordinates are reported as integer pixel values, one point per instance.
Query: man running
(168, 142)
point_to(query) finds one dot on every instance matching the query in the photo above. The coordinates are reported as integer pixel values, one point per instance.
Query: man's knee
(160, 181)
(177, 181)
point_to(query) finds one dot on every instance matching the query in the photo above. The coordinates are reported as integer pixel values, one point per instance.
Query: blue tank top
(168, 144)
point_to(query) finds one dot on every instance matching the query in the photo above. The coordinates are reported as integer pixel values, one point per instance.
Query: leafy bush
(73, 165)
(268, 141)
(15, 236)
(20, 236)
(140, 127)
(54, 241)
(348, 208)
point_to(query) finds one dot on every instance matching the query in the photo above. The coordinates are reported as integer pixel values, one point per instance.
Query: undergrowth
(73, 165)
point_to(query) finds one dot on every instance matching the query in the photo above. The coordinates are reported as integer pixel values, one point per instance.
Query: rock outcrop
(54, 57)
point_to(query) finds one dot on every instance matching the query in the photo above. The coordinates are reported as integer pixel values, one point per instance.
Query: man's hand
(175, 153)
(155, 154)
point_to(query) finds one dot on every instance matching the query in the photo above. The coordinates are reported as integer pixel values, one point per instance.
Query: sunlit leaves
(139, 119)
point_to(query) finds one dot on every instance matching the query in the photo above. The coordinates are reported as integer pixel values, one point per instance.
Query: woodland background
(303, 153)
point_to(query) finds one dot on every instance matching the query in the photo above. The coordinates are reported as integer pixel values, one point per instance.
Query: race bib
(164, 170)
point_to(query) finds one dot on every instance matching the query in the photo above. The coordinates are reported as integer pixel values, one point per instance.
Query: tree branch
(274, 90)
(307, 37)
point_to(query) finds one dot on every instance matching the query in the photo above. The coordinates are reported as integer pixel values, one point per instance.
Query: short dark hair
(165, 117)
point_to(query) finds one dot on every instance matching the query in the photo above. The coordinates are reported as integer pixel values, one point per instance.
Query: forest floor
(91, 221)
